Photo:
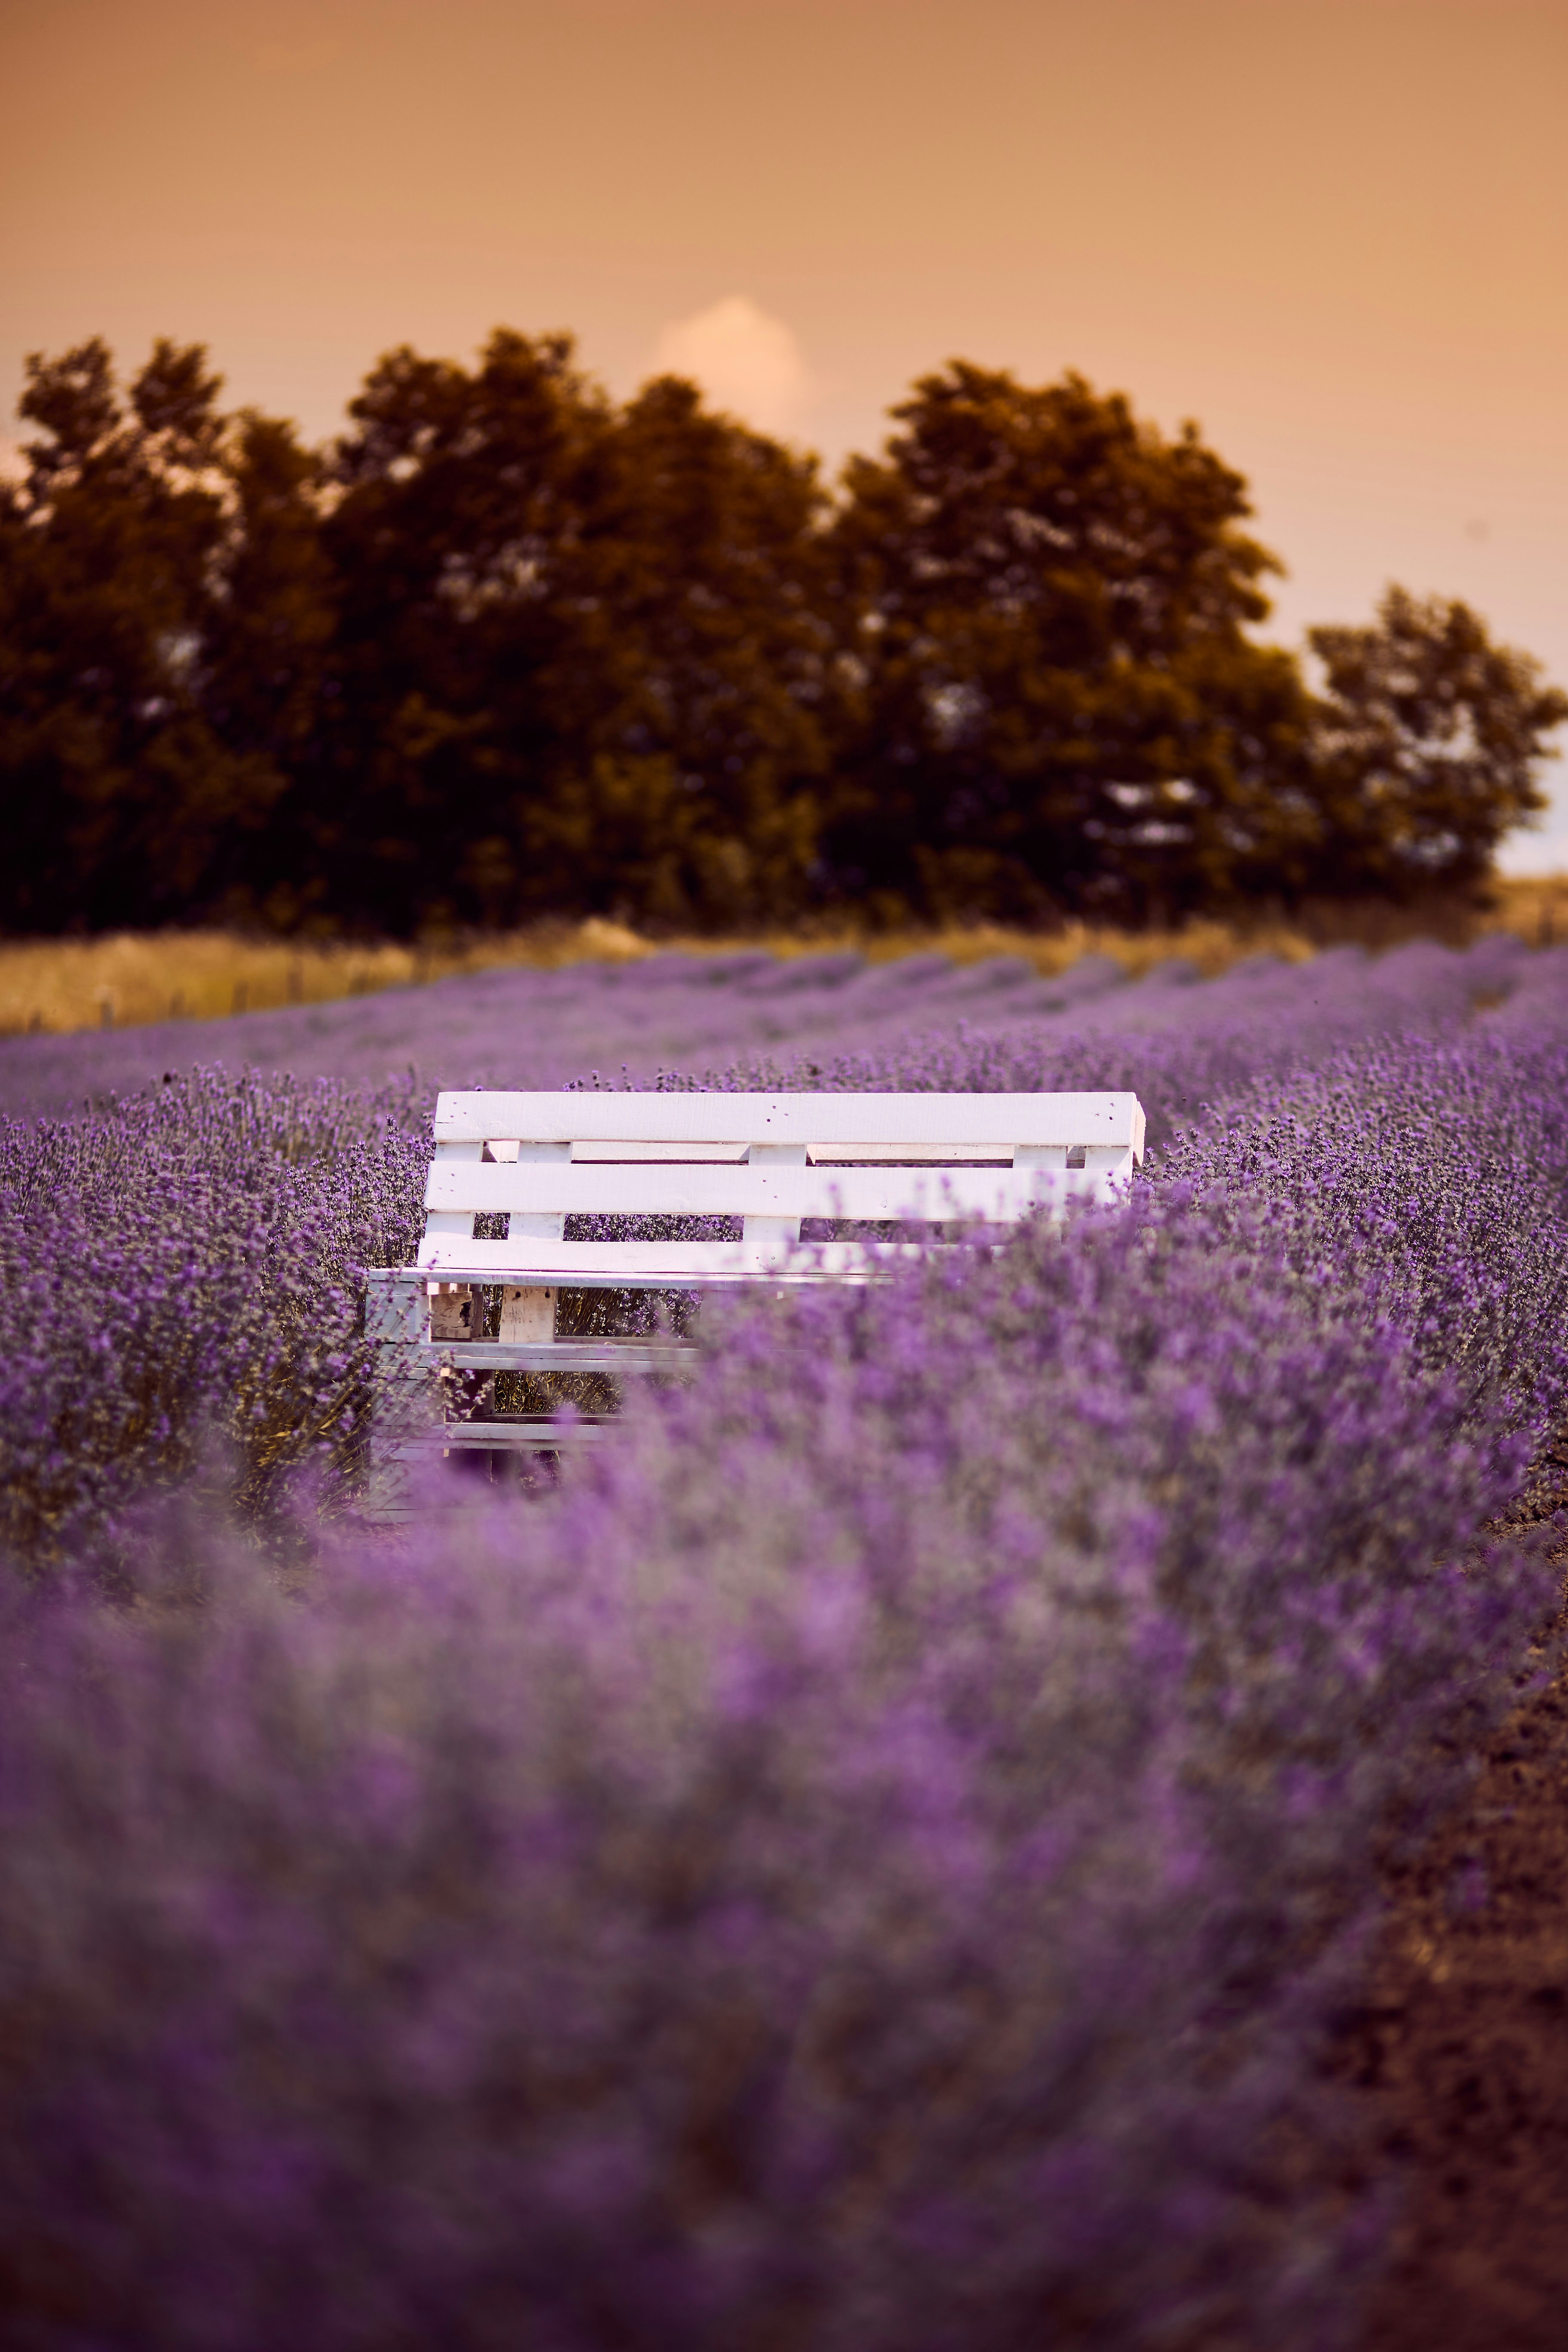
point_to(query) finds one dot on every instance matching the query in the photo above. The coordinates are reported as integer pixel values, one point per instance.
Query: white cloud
(744, 360)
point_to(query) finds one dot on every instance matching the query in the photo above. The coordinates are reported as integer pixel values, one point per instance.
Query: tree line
(506, 649)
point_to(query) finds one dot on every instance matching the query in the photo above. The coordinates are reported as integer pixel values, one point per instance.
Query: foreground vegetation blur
(883, 1854)
(125, 979)
(507, 652)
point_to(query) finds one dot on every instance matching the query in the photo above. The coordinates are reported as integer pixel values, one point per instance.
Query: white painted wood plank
(1004, 1120)
(456, 1152)
(563, 1356)
(502, 1437)
(770, 1226)
(396, 1304)
(527, 1315)
(549, 1226)
(672, 1265)
(783, 1193)
(455, 1313)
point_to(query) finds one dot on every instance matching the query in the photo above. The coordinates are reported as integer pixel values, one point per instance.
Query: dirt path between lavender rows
(1461, 2051)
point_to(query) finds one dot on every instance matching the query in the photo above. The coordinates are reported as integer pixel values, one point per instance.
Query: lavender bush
(866, 1863)
(186, 1266)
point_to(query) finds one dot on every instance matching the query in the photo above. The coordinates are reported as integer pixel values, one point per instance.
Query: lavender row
(184, 1271)
(527, 1028)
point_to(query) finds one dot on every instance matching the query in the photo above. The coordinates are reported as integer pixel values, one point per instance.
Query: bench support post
(397, 1319)
(773, 1229)
(527, 1316)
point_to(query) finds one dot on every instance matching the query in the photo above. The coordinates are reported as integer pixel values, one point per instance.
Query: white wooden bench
(769, 1161)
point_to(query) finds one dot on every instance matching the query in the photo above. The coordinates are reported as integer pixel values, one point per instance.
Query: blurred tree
(1426, 747)
(269, 637)
(579, 653)
(507, 650)
(693, 693)
(120, 795)
(456, 495)
(1049, 701)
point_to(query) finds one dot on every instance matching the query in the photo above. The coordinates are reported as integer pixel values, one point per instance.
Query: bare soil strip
(1462, 2050)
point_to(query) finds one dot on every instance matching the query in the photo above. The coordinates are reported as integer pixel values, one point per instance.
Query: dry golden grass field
(130, 978)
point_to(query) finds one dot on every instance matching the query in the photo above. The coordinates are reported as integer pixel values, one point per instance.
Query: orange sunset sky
(1333, 231)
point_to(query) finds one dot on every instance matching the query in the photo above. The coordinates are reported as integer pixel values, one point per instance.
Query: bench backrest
(770, 1159)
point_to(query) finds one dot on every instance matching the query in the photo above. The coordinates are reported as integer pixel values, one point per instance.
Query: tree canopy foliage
(1057, 701)
(1427, 744)
(507, 648)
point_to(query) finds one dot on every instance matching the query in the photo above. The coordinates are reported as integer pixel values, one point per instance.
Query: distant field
(132, 978)
(532, 1025)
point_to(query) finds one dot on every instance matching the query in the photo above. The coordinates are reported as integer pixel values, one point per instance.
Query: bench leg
(528, 1317)
(397, 1319)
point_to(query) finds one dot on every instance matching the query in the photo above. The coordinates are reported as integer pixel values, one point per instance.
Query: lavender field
(874, 1859)
(703, 1014)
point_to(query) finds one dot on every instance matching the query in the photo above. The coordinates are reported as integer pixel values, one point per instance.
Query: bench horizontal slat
(557, 1355)
(1001, 1194)
(657, 1266)
(500, 1437)
(739, 1119)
